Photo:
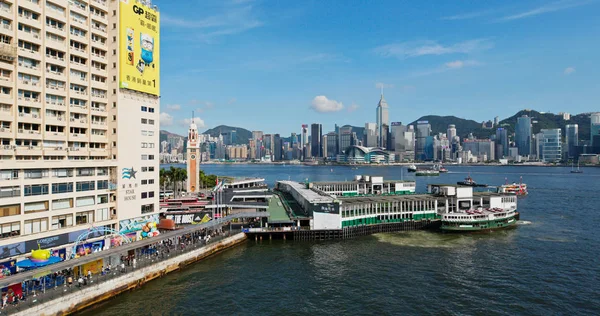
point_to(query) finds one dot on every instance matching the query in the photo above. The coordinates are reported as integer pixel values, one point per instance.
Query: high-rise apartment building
(79, 115)
(316, 134)
(501, 142)
(571, 139)
(451, 132)
(523, 135)
(595, 129)
(304, 141)
(382, 119)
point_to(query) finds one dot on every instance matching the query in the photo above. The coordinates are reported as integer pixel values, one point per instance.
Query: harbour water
(548, 264)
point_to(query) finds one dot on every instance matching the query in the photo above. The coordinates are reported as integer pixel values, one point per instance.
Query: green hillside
(550, 120)
(439, 124)
(242, 135)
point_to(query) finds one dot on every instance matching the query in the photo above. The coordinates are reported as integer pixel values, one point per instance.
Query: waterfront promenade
(51, 283)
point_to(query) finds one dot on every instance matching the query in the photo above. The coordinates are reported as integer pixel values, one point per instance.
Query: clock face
(193, 157)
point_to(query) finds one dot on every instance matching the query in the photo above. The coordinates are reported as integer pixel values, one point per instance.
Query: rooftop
(387, 198)
(308, 194)
(277, 211)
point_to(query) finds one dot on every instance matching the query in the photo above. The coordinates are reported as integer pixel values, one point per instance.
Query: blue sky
(274, 65)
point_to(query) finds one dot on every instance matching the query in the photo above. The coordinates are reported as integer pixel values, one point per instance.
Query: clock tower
(193, 159)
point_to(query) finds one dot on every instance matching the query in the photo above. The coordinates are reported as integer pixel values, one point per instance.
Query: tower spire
(381, 90)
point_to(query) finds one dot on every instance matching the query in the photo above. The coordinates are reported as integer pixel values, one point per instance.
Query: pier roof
(387, 198)
(310, 195)
(277, 211)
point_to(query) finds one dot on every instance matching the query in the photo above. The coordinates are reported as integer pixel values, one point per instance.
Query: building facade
(316, 134)
(551, 145)
(383, 118)
(423, 131)
(79, 119)
(370, 135)
(595, 129)
(193, 159)
(571, 139)
(523, 135)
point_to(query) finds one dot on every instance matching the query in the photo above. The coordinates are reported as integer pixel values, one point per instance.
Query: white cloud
(422, 48)
(547, 8)
(569, 70)
(173, 107)
(199, 122)
(165, 119)
(323, 105)
(466, 16)
(353, 107)
(232, 101)
(458, 64)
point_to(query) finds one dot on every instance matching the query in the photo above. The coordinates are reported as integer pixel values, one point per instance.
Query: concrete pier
(96, 293)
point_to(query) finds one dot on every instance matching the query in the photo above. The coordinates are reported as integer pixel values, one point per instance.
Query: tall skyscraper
(382, 119)
(304, 141)
(79, 120)
(257, 135)
(316, 134)
(370, 135)
(551, 145)
(451, 132)
(344, 138)
(277, 148)
(332, 145)
(501, 142)
(571, 139)
(268, 144)
(423, 131)
(523, 135)
(595, 129)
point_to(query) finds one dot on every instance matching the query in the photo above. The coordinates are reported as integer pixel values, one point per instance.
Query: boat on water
(439, 167)
(576, 170)
(412, 168)
(426, 172)
(514, 188)
(466, 211)
(468, 181)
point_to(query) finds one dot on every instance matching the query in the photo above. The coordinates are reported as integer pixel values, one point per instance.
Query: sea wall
(93, 294)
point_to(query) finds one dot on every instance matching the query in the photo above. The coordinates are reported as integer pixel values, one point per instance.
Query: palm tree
(181, 176)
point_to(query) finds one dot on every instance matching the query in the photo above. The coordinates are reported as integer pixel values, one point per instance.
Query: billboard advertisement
(139, 51)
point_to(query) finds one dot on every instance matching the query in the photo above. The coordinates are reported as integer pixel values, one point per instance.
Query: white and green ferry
(466, 211)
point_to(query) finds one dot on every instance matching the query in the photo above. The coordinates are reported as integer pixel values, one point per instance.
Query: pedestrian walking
(134, 262)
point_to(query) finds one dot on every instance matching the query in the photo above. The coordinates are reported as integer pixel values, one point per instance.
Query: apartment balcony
(29, 69)
(29, 134)
(78, 123)
(78, 151)
(6, 98)
(29, 151)
(82, 52)
(30, 37)
(62, 31)
(58, 136)
(56, 44)
(7, 29)
(59, 120)
(99, 111)
(29, 85)
(79, 94)
(100, 30)
(55, 151)
(78, 109)
(78, 9)
(99, 57)
(78, 137)
(101, 3)
(80, 38)
(99, 85)
(35, 7)
(6, 115)
(99, 97)
(55, 14)
(33, 102)
(54, 59)
(29, 20)
(6, 132)
(7, 150)
(56, 89)
(79, 80)
(98, 138)
(79, 66)
(30, 118)
(54, 105)
(99, 152)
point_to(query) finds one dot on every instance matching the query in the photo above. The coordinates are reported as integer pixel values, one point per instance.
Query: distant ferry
(470, 183)
(427, 172)
(412, 168)
(514, 188)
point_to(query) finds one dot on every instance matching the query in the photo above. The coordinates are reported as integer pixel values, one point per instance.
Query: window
(151, 110)
(10, 229)
(9, 174)
(84, 217)
(85, 172)
(102, 184)
(35, 226)
(103, 199)
(62, 187)
(10, 210)
(36, 174)
(36, 189)
(86, 186)
(144, 182)
(62, 221)
(62, 173)
(151, 181)
(8, 192)
(144, 169)
(144, 121)
(102, 214)
(150, 157)
(151, 169)
(102, 171)
(144, 109)
(85, 201)
(148, 208)
(151, 194)
(144, 157)
(151, 122)
(144, 195)
(62, 204)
